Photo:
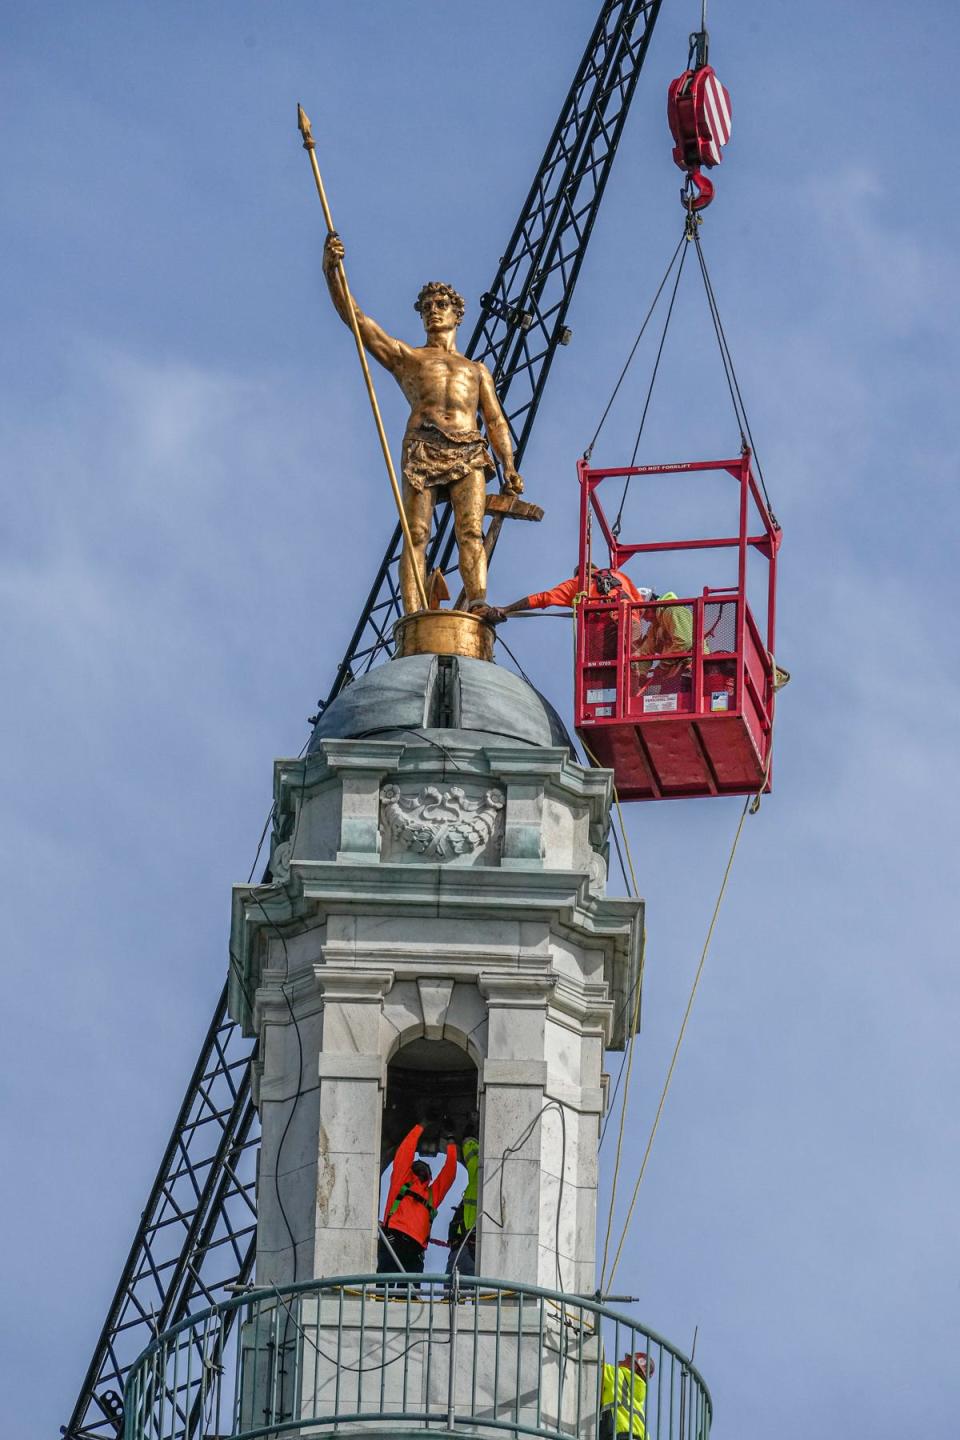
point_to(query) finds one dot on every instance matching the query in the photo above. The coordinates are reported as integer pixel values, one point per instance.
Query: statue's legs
(418, 506)
(469, 497)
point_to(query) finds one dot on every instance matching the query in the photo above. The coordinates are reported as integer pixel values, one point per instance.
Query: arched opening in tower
(433, 1083)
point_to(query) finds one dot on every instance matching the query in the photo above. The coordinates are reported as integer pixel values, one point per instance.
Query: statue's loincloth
(437, 458)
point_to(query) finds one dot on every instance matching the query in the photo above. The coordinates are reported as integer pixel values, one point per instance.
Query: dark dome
(474, 700)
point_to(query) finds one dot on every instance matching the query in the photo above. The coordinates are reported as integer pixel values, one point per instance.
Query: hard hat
(646, 593)
(641, 1361)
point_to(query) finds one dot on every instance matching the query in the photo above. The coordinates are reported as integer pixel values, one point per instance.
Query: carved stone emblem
(441, 824)
(280, 862)
(597, 871)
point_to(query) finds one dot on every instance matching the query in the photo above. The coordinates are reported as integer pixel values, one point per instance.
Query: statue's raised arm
(384, 348)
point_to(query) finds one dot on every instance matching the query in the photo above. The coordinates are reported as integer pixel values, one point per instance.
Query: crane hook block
(698, 109)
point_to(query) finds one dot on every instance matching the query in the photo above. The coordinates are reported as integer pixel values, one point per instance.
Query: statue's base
(443, 632)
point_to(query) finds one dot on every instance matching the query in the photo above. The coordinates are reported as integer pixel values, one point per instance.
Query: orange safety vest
(412, 1203)
(564, 593)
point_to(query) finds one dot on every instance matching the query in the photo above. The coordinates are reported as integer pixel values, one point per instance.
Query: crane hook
(696, 191)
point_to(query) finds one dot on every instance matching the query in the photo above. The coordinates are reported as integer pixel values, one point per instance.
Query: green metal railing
(460, 1355)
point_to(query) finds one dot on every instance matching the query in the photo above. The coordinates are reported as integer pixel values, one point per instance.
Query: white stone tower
(436, 941)
(433, 945)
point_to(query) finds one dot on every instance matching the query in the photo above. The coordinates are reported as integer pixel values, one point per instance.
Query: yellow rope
(676, 1048)
(750, 806)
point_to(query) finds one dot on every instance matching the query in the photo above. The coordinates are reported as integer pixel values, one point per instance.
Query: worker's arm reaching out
(403, 1158)
(447, 1175)
(561, 594)
(616, 586)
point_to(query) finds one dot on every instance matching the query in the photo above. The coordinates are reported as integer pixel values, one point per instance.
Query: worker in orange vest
(668, 628)
(603, 583)
(610, 585)
(413, 1200)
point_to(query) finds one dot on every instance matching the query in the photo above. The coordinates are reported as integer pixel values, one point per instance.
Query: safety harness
(606, 581)
(426, 1200)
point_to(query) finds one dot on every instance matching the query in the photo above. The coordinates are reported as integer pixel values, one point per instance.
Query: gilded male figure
(443, 451)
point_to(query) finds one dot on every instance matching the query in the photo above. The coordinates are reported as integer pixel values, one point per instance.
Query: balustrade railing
(365, 1353)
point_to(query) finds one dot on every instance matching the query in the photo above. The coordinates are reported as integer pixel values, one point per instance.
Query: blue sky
(193, 511)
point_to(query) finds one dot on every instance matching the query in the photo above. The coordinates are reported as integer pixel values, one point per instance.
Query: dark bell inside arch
(433, 1082)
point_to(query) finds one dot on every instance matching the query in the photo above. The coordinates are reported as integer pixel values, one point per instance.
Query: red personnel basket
(676, 695)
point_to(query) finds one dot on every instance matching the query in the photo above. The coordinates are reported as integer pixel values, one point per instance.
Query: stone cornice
(278, 994)
(352, 984)
(558, 898)
(409, 961)
(319, 887)
(362, 754)
(588, 1005)
(516, 991)
(394, 888)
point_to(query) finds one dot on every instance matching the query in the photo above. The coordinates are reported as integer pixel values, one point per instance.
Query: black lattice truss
(523, 314)
(198, 1230)
(197, 1234)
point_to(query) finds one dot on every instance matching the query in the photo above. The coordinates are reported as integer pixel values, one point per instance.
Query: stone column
(287, 1018)
(514, 1083)
(352, 1076)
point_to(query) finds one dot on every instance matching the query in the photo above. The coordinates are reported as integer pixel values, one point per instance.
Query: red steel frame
(694, 752)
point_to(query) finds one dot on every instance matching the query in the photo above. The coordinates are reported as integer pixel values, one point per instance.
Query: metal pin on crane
(303, 124)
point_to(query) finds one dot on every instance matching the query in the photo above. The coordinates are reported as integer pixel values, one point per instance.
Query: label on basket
(598, 697)
(603, 710)
(654, 703)
(719, 700)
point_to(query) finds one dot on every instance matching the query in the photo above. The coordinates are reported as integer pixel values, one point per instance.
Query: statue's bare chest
(436, 374)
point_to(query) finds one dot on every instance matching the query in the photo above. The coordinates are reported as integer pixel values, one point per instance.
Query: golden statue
(443, 451)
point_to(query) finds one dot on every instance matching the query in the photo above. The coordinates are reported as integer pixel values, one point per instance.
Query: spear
(303, 124)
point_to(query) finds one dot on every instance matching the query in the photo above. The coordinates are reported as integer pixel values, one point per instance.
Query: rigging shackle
(699, 112)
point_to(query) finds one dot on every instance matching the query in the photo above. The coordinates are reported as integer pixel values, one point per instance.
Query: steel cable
(750, 807)
(615, 527)
(633, 349)
(656, 363)
(746, 435)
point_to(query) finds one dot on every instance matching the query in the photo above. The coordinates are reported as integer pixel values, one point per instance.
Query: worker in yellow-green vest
(462, 1235)
(670, 632)
(623, 1396)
